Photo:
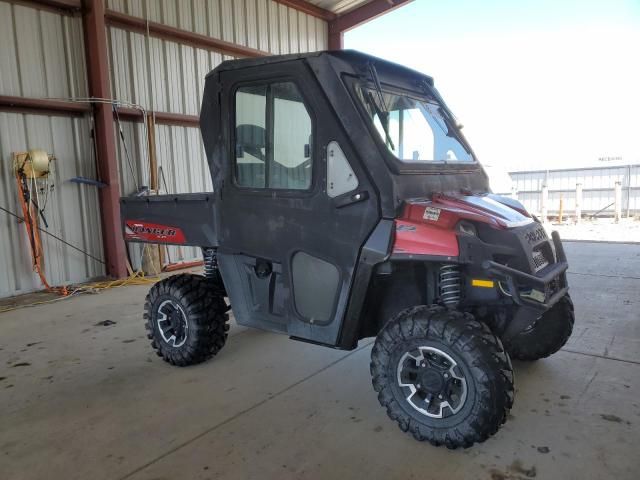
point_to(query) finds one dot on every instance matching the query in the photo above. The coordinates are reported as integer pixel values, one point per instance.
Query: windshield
(414, 130)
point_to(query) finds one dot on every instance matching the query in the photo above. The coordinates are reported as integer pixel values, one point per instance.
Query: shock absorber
(212, 273)
(450, 287)
(210, 263)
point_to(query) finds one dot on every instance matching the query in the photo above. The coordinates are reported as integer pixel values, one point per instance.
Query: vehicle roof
(358, 60)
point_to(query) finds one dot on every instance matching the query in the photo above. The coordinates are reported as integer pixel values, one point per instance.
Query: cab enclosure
(343, 193)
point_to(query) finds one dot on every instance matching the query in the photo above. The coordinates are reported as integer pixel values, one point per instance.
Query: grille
(539, 260)
(535, 236)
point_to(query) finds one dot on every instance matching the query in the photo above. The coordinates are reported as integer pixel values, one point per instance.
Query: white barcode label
(431, 213)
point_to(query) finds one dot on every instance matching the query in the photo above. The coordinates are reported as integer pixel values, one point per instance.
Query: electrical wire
(54, 236)
(47, 188)
(126, 150)
(110, 101)
(35, 304)
(137, 278)
(114, 102)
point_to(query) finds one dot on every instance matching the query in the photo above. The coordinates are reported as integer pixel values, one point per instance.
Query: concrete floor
(83, 401)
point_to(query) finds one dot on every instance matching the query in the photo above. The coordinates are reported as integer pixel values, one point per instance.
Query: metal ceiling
(338, 7)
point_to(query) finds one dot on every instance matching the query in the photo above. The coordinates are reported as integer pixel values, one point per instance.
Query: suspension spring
(210, 263)
(450, 287)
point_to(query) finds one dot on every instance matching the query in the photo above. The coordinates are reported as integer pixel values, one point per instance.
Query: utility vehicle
(347, 204)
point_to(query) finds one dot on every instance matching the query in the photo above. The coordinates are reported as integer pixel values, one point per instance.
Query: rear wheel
(546, 335)
(442, 376)
(186, 319)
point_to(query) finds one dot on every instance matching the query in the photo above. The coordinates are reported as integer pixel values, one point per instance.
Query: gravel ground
(600, 230)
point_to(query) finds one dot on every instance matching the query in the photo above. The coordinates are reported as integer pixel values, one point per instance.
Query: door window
(273, 140)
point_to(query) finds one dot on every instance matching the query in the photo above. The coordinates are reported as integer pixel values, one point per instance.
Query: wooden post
(151, 146)
(578, 202)
(155, 253)
(618, 202)
(544, 201)
(560, 210)
(629, 191)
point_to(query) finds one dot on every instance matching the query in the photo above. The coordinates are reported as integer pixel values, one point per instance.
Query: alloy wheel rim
(172, 323)
(432, 381)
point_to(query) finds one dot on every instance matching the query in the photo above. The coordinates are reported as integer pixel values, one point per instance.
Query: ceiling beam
(42, 106)
(365, 13)
(309, 9)
(128, 114)
(66, 108)
(63, 7)
(166, 32)
(71, 6)
(357, 17)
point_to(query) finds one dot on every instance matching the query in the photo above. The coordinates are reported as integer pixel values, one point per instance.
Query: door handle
(351, 198)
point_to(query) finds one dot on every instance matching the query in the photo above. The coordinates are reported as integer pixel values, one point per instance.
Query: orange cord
(35, 244)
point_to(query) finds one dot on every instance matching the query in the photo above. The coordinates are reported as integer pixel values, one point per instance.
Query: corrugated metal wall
(598, 186)
(262, 24)
(42, 55)
(166, 76)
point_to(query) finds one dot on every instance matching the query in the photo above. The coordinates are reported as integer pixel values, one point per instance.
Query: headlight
(467, 228)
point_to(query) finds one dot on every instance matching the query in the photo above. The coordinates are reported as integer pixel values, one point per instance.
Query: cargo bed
(182, 219)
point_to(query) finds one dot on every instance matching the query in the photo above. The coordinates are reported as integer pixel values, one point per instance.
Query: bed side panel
(185, 219)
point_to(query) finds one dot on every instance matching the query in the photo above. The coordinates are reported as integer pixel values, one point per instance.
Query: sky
(536, 84)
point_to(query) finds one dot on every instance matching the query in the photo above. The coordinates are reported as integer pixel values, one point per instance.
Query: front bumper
(551, 285)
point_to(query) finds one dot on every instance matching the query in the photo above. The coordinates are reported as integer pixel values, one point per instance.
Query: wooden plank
(151, 145)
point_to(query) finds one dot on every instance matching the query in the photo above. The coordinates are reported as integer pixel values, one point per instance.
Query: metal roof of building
(338, 7)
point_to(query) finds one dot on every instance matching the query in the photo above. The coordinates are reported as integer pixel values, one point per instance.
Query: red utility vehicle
(347, 204)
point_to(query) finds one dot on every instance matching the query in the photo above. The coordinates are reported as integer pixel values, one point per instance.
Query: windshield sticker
(431, 213)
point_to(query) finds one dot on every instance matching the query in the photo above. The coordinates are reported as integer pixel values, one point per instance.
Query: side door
(290, 232)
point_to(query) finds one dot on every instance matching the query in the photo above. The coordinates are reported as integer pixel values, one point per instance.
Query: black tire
(547, 335)
(200, 315)
(481, 361)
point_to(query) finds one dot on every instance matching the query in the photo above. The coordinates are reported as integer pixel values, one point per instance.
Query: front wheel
(442, 376)
(546, 335)
(186, 319)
